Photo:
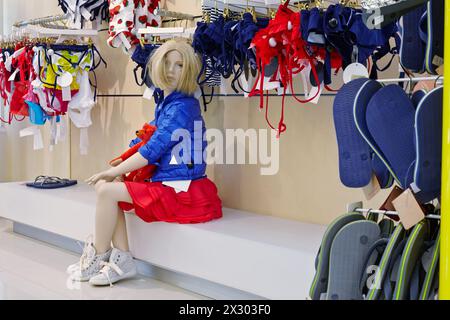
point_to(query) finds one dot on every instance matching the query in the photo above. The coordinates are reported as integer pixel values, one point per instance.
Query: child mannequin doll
(174, 67)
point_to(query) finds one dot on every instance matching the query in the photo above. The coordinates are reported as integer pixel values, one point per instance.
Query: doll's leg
(107, 213)
(120, 236)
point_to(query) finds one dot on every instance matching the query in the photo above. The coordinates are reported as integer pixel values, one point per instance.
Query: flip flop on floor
(348, 251)
(320, 281)
(390, 121)
(45, 182)
(428, 133)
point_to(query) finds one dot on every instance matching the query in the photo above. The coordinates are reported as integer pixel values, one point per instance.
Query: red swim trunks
(153, 201)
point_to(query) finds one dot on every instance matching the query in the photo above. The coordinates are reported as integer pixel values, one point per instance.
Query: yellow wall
(307, 187)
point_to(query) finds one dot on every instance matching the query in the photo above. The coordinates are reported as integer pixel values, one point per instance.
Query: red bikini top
(282, 39)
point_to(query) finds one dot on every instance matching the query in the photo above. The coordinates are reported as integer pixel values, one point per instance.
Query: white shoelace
(107, 266)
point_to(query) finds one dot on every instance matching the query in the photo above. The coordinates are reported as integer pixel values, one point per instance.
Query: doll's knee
(99, 186)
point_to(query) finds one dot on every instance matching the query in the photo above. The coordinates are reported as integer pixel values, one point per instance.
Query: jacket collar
(167, 100)
(174, 96)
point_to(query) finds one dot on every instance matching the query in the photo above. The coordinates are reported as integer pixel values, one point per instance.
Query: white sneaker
(76, 266)
(89, 264)
(120, 266)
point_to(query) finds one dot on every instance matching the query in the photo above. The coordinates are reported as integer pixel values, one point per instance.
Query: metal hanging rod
(62, 17)
(267, 4)
(37, 21)
(175, 15)
(231, 95)
(411, 79)
(394, 213)
(260, 8)
(178, 19)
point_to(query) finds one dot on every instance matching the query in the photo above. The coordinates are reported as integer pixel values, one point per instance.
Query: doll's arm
(137, 161)
(127, 154)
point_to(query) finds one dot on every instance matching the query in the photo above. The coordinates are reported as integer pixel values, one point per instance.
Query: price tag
(372, 188)
(125, 41)
(66, 94)
(148, 93)
(409, 210)
(354, 71)
(86, 14)
(65, 80)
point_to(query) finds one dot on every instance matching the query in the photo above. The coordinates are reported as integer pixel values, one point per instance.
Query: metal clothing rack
(63, 17)
(43, 20)
(241, 5)
(231, 95)
(175, 15)
(393, 213)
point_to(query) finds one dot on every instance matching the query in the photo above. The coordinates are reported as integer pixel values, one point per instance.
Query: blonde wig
(191, 66)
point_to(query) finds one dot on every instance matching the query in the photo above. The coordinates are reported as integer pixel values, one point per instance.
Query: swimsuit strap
(95, 51)
(140, 84)
(41, 68)
(95, 86)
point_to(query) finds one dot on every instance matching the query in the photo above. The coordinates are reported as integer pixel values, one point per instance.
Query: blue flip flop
(355, 168)
(435, 35)
(382, 173)
(380, 165)
(46, 182)
(417, 97)
(412, 49)
(428, 132)
(390, 121)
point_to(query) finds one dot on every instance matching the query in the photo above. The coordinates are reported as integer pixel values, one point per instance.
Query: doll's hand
(108, 175)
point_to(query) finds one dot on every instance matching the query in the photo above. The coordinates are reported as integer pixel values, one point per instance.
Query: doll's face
(174, 67)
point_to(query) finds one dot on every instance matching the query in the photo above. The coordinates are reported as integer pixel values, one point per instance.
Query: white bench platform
(257, 256)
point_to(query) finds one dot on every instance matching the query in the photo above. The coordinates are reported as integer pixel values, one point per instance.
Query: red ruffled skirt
(153, 201)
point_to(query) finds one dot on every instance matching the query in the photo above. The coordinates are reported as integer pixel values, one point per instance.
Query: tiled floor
(31, 269)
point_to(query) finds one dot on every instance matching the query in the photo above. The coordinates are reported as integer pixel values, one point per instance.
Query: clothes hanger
(258, 7)
(168, 32)
(62, 34)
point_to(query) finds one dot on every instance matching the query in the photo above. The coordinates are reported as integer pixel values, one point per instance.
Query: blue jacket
(176, 111)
